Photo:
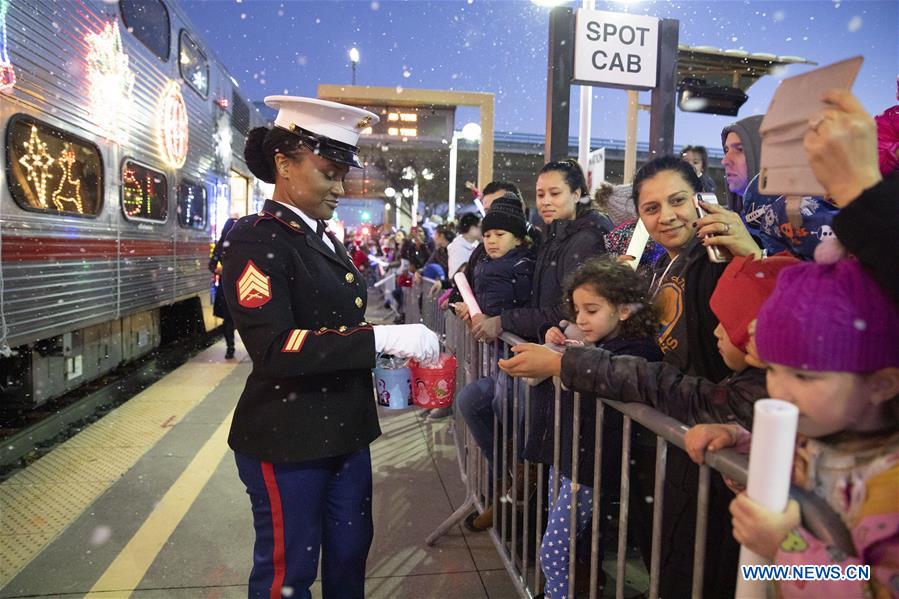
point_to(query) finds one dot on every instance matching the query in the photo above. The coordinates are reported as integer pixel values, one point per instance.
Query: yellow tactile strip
(40, 502)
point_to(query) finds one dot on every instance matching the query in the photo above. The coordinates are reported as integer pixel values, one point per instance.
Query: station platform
(146, 503)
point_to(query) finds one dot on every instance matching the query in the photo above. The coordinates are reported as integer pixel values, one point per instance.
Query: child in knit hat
(503, 280)
(829, 335)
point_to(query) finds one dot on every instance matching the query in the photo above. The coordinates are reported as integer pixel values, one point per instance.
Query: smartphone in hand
(716, 253)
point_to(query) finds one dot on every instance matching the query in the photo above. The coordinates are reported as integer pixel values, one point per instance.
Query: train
(122, 159)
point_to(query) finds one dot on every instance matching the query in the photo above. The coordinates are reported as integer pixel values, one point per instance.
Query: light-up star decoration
(7, 73)
(111, 81)
(37, 162)
(69, 189)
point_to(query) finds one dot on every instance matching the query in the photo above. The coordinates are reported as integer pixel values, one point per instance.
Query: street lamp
(470, 132)
(354, 58)
(410, 174)
(391, 193)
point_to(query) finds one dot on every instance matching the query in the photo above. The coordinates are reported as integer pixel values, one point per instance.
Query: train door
(241, 199)
(221, 197)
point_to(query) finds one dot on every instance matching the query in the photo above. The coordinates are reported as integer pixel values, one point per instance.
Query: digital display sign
(419, 123)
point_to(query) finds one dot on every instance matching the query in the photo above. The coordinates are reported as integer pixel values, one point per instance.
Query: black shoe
(476, 522)
(440, 413)
(229, 353)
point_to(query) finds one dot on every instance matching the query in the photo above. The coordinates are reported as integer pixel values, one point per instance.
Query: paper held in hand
(467, 294)
(784, 168)
(638, 244)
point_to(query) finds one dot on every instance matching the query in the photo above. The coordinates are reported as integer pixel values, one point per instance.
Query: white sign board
(596, 169)
(616, 49)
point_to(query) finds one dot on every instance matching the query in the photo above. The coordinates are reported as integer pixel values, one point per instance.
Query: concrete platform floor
(177, 524)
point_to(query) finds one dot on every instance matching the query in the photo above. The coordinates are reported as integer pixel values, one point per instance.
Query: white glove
(407, 341)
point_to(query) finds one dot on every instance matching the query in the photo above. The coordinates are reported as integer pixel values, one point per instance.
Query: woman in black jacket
(682, 284)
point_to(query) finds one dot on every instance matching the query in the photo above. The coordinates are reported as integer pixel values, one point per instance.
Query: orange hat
(743, 287)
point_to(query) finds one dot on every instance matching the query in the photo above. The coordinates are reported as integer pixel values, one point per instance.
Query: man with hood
(742, 145)
(780, 223)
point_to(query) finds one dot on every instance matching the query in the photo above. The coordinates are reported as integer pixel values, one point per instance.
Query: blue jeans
(478, 403)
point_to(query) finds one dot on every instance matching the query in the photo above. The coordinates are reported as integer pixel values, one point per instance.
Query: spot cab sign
(616, 49)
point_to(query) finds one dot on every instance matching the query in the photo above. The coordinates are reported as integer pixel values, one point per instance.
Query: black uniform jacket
(299, 308)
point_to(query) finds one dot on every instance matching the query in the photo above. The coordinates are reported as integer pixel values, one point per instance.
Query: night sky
(283, 47)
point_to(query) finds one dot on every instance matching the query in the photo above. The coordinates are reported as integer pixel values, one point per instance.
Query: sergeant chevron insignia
(253, 287)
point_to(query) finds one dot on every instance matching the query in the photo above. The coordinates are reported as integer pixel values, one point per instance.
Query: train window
(193, 64)
(148, 21)
(145, 193)
(52, 171)
(192, 205)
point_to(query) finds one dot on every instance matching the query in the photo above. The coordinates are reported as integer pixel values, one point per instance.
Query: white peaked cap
(333, 120)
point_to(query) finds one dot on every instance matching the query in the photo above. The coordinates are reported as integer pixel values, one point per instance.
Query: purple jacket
(888, 139)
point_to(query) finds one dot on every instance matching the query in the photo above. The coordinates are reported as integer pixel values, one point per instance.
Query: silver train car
(122, 158)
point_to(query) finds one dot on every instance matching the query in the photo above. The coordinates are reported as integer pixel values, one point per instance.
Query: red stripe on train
(43, 249)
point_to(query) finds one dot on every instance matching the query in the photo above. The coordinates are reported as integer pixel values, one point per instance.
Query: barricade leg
(595, 557)
(621, 561)
(657, 503)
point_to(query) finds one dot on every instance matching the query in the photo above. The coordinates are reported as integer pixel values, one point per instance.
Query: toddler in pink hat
(830, 338)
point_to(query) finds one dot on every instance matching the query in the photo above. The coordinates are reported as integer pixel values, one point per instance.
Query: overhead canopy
(729, 68)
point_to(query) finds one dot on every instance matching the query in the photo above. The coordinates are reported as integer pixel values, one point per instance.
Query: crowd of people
(795, 298)
(805, 310)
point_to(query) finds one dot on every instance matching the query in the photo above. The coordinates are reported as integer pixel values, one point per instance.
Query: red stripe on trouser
(274, 498)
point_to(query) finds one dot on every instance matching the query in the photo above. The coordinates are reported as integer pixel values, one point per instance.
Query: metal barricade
(518, 522)
(420, 305)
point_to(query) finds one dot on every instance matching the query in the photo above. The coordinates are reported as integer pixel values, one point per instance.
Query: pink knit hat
(828, 318)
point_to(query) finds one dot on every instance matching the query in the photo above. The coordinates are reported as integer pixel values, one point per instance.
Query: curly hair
(619, 285)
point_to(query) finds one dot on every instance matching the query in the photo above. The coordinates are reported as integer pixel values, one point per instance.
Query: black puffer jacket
(567, 244)
(504, 282)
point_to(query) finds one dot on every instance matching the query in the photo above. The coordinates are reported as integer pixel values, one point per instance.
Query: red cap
(743, 287)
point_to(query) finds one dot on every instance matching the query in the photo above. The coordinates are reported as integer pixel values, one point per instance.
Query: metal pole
(558, 82)
(664, 94)
(454, 158)
(575, 487)
(702, 515)
(623, 507)
(414, 203)
(630, 144)
(595, 558)
(657, 504)
(354, 73)
(583, 150)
